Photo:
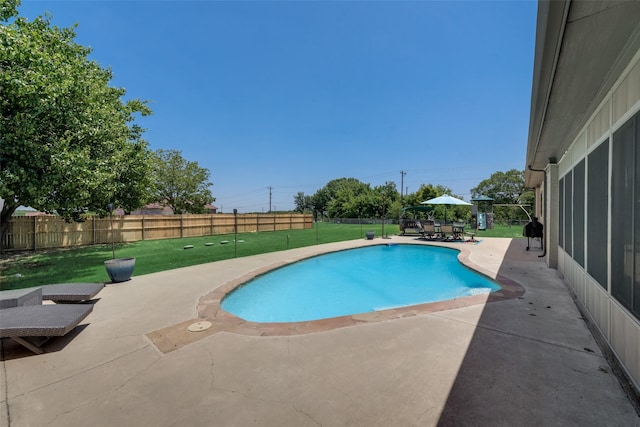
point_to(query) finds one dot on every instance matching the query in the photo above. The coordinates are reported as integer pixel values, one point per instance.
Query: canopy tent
(446, 200)
(419, 208)
(414, 212)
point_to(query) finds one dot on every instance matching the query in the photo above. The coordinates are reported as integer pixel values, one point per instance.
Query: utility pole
(270, 188)
(402, 174)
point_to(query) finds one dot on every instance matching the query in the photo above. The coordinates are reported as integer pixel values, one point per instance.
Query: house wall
(583, 250)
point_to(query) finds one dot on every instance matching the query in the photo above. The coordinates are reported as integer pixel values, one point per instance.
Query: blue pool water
(356, 281)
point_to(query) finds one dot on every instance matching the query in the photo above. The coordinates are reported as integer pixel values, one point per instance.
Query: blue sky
(293, 94)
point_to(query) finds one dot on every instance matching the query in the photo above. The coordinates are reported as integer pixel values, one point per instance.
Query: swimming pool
(356, 281)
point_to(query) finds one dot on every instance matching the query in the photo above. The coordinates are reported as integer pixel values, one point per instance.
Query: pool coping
(209, 307)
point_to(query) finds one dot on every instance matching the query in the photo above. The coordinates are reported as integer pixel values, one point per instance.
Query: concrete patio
(525, 361)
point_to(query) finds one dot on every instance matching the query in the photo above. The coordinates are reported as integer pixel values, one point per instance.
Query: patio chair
(33, 325)
(428, 231)
(70, 292)
(458, 230)
(446, 232)
(412, 225)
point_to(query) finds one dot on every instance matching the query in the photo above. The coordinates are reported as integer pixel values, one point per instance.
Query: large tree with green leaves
(351, 198)
(426, 192)
(506, 188)
(386, 201)
(180, 184)
(342, 198)
(503, 187)
(68, 141)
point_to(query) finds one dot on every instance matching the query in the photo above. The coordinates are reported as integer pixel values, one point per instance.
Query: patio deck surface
(528, 359)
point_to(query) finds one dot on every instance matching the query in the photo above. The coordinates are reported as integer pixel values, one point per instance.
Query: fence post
(143, 225)
(35, 229)
(93, 222)
(235, 231)
(181, 226)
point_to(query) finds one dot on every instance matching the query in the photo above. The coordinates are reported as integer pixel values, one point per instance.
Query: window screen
(578, 213)
(568, 209)
(561, 213)
(624, 216)
(597, 208)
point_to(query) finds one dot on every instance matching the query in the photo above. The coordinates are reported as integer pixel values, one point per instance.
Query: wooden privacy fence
(46, 232)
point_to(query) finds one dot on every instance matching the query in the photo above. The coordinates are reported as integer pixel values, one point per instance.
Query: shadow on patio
(533, 361)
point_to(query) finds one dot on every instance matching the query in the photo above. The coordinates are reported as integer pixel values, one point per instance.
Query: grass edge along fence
(85, 263)
(50, 232)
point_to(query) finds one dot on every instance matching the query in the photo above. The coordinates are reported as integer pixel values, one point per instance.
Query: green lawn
(87, 264)
(500, 230)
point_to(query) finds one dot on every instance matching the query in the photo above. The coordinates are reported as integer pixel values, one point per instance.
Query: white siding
(624, 339)
(627, 94)
(600, 124)
(616, 324)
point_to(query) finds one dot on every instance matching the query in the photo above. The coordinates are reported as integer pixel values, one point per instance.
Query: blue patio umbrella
(446, 200)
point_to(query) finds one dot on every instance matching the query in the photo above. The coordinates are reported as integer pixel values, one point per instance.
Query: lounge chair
(18, 297)
(70, 292)
(28, 323)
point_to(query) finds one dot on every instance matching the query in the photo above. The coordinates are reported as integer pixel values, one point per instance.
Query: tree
(303, 203)
(8, 9)
(68, 142)
(342, 198)
(503, 187)
(335, 198)
(180, 184)
(350, 198)
(506, 188)
(387, 200)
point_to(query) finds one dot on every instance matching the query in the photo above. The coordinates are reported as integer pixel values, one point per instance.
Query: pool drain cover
(199, 326)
